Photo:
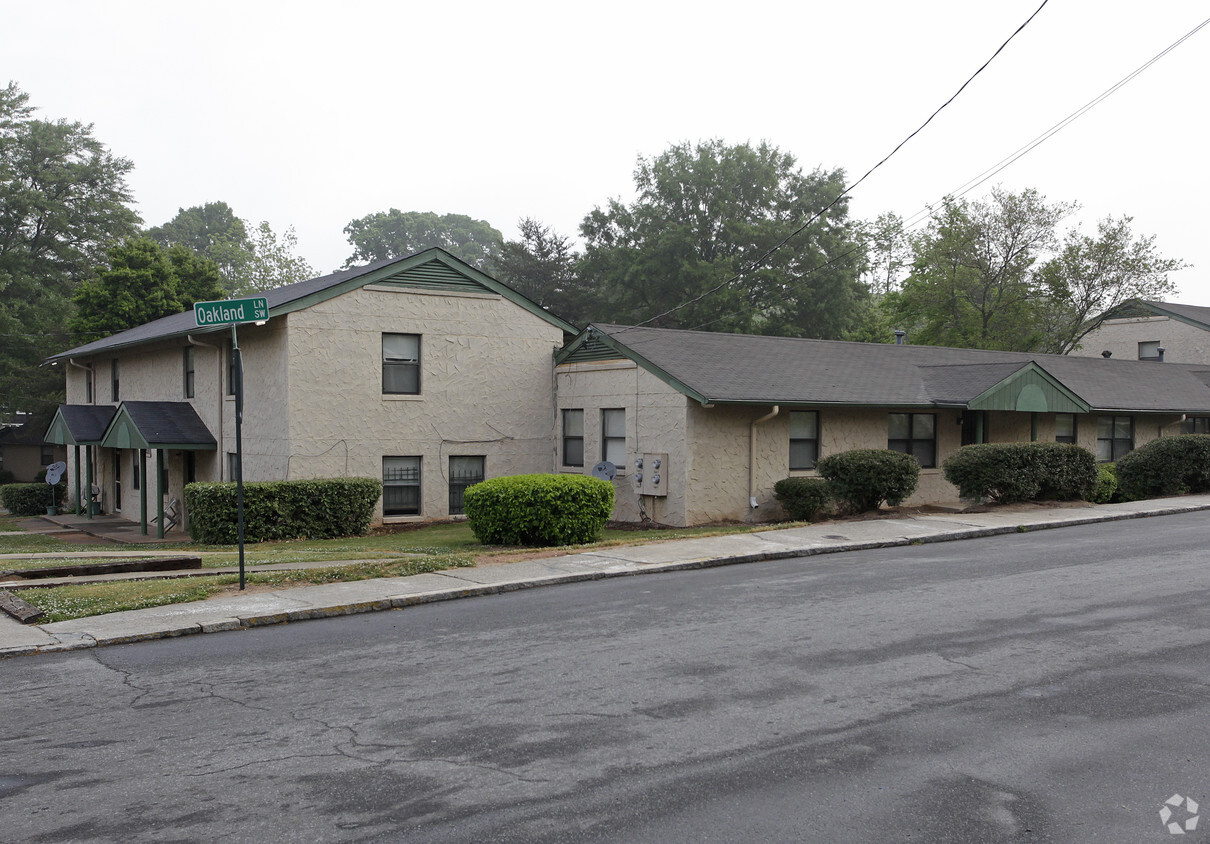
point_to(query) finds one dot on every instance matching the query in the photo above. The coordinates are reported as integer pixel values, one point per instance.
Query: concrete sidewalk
(308, 602)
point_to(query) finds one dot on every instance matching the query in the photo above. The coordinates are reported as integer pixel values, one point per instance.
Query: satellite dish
(605, 470)
(54, 472)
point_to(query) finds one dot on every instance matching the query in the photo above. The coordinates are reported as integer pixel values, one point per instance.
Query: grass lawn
(61, 603)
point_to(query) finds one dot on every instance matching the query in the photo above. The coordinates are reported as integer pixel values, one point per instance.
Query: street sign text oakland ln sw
(231, 311)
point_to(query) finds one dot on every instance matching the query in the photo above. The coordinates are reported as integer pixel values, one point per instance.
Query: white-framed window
(465, 471)
(573, 438)
(1115, 437)
(1149, 350)
(914, 434)
(401, 364)
(804, 439)
(1065, 428)
(613, 436)
(401, 486)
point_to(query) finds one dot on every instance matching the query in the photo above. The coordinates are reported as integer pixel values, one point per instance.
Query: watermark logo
(1179, 814)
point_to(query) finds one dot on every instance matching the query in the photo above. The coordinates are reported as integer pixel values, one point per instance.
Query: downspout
(752, 454)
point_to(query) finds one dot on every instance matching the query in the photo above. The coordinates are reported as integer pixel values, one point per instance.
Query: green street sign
(231, 311)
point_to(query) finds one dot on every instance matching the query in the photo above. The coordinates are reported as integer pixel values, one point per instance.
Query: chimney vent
(1161, 351)
(899, 335)
(1107, 354)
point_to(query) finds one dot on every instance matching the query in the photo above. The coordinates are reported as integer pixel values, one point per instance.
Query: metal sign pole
(239, 447)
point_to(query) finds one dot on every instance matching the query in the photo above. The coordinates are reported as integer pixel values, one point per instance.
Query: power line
(927, 212)
(760, 261)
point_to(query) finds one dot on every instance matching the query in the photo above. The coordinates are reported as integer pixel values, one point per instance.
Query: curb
(81, 641)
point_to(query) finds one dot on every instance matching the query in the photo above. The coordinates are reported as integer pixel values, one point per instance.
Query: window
(1149, 350)
(613, 436)
(88, 385)
(914, 434)
(48, 455)
(190, 467)
(232, 466)
(401, 364)
(401, 486)
(464, 472)
(1065, 428)
(232, 376)
(1196, 425)
(114, 379)
(804, 439)
(573, 438)
(1115, 437)
(117, 479)
(188, 367)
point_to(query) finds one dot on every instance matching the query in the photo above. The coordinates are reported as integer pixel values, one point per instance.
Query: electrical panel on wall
(651, 474)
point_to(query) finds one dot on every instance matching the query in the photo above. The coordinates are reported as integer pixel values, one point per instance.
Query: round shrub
(536, 510)
(1010, 472)
(802, 498)
(30, 499)
(1106, 487)
(1167, 466)
(865, 477)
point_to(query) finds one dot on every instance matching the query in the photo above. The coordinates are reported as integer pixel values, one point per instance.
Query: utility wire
(760, 261)
(928, 212)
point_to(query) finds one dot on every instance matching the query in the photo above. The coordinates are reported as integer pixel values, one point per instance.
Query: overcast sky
(310, 114)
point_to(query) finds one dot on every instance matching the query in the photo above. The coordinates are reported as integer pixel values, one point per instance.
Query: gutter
(752, 454)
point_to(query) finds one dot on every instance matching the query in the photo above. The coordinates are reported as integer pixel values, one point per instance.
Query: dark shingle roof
(744, 368)
(163, 423)
(1189, 313)
(85, 423)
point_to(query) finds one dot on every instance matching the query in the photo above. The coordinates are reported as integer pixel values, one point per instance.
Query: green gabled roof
(79, 424)
(158, 424)
(1030, 389)
(432, 269)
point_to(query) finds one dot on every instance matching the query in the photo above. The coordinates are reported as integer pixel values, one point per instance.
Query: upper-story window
(804, 439)
(88, 395)
(1149, 350)
(188, 368)
(914, 434)
(401, 364)
(114, 379)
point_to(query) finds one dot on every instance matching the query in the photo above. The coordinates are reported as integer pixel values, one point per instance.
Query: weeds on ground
(61, 603)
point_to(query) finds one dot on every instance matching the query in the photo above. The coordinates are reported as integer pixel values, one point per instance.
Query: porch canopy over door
(159, 425)
(80, 425)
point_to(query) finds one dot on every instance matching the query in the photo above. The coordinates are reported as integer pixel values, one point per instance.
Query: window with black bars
(464, 472)
(401, 486)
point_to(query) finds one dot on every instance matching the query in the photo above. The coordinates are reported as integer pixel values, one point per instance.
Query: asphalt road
(1050, 686)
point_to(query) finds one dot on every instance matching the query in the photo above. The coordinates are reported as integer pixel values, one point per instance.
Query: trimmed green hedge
(1106, 487)
(30, 499)
(865, 477)
(537, 510)
(803, 498)
(1010, 472)
(1167, 466)
(314, 509)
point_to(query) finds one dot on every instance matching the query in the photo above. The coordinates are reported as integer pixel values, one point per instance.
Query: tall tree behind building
(63, 201)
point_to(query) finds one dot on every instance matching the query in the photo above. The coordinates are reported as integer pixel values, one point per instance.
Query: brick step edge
(18, 609)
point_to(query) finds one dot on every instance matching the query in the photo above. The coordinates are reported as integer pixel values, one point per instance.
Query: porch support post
(141, 475)
(77, 447)
(159, 492)
(88, 481)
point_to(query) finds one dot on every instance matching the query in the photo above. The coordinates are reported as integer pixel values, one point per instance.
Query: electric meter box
(651, 474)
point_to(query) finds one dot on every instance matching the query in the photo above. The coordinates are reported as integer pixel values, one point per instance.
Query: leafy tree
(249, 259)
(888, 252)
(1091, 276)
(143, 282)
(542, 266)
(995, 274)
(63, 201)
(709, 212)
(211, 230)
(973, 281)
(394, 234)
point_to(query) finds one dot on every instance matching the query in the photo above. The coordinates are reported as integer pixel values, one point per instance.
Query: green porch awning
(158, 425)
(79, 424)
